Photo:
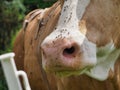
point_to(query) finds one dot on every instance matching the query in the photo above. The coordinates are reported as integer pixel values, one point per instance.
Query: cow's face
(79, 43)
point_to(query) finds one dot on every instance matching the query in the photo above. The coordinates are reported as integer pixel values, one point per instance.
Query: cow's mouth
(66, 73)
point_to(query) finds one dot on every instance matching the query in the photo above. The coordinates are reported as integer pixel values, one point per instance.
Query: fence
(12, 74)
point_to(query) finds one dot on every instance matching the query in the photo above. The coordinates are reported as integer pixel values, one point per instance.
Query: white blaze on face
(71, 14)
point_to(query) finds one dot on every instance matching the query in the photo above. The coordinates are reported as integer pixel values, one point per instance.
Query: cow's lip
(66, 73)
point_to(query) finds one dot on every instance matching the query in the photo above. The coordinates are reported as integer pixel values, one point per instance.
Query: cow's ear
(61, 2)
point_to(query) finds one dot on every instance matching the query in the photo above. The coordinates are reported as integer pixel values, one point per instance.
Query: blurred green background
(12, 13)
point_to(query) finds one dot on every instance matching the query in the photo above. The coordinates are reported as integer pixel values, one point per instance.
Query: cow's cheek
(89, 53)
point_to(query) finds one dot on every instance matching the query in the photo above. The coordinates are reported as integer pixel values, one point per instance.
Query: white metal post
(11, 73)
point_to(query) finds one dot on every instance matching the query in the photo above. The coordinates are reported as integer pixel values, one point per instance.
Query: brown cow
(76, 42)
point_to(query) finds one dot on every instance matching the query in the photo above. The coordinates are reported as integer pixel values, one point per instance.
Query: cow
(72, 45)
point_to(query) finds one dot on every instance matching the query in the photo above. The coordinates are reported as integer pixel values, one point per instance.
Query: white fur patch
(106, 58)
(68, 23)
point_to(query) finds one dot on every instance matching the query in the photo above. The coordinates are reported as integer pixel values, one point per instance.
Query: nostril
(69, 52)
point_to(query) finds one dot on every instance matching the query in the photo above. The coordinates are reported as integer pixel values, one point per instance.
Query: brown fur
(102, 24)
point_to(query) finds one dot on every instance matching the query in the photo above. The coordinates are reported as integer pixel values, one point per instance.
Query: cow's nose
(61, 48)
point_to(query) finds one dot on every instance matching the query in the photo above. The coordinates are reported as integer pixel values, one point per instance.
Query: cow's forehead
(72, 11)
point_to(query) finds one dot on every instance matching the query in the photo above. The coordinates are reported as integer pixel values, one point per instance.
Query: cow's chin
(66, 73)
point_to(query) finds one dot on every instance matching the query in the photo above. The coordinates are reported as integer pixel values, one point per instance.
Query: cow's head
(84, 39)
